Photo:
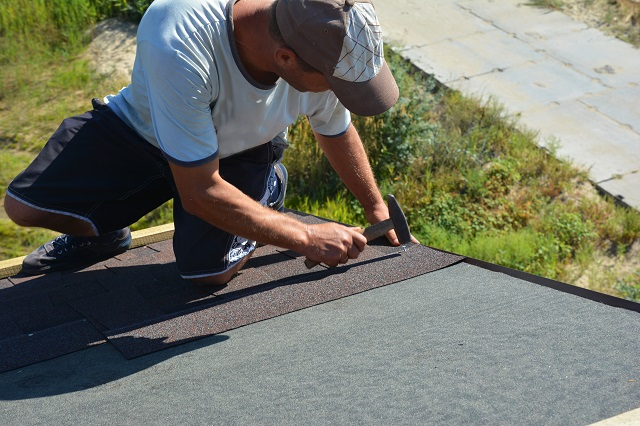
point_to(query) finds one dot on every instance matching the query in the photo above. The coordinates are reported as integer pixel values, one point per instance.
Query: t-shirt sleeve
(332, 119)
(180, 95)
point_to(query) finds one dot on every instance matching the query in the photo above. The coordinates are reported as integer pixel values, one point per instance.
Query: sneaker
(282, 178)
(67, 251)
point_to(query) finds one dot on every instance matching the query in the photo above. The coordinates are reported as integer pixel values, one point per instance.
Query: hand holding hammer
(397, 221)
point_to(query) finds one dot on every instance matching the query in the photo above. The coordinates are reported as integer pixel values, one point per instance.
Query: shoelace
(64, 243)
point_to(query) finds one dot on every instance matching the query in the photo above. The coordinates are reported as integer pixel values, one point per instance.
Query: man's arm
(204, 193)
(349, 159)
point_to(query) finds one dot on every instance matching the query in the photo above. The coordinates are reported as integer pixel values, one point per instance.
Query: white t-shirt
(191, 96)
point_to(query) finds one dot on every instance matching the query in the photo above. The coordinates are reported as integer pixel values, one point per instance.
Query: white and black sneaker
(67, 252)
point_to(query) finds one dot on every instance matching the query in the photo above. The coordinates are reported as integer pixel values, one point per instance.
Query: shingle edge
(139, 238)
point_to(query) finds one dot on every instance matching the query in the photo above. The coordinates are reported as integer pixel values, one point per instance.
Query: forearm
(349, 159)
(229, 209)
(205, 194)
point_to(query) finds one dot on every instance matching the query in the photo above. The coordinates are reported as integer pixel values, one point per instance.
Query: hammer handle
(371, 233)
(377, 230)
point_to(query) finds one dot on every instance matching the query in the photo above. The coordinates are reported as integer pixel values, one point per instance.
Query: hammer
(397, 221)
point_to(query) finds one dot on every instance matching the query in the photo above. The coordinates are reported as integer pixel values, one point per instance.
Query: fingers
(335, 244)
(359, 240)
(359, 244)
(393, 238)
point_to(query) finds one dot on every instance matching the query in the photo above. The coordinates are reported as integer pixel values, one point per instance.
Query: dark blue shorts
(96, 168)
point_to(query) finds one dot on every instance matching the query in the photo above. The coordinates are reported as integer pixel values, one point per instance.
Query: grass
(548, 4)
(469, 179)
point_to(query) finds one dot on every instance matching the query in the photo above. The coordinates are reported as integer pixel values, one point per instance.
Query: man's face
(304, 80)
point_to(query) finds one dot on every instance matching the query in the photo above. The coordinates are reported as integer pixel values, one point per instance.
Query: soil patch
(618, 18)
(112, 50)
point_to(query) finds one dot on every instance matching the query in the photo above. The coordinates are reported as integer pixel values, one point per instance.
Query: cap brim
(367, 98)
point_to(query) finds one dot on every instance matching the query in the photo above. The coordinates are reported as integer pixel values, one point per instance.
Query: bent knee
(25, 215)
(19, 212)
(213, 281)
(221, 279)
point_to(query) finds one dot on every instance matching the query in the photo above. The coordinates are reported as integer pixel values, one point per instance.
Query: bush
(629, 287)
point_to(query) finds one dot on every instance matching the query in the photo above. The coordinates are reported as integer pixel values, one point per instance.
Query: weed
(629, 287)
(338, 207)
(524, 250)
(17, 241)
(567, 230)
(11, 163)
(130, 10)
(548, 4)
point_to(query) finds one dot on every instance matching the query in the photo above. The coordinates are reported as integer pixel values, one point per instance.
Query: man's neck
(255, 46)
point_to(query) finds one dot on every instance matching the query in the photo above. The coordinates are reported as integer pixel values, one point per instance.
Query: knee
(24, 215)
(223, 279)
(213, 281)
(19, 212)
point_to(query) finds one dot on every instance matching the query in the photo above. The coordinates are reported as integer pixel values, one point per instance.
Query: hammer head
(399, 220)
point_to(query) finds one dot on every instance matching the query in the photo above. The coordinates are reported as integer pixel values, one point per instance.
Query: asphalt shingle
(138, 302)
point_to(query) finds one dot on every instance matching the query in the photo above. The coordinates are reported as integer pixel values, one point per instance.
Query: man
(215, 85)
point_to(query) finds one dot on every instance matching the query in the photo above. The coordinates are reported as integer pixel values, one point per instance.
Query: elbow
(204, 205)
(191, 205)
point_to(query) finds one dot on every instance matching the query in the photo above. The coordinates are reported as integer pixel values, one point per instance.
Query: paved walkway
(571, 83)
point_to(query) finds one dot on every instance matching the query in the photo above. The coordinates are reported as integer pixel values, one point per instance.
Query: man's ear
(285, 57)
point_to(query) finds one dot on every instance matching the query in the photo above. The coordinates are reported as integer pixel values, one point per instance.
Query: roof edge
(629, 418)
(558, 285)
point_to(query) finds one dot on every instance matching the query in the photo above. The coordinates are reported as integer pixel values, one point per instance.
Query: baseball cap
(343, 40)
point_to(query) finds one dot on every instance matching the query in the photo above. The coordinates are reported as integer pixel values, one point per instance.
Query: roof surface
(402, 336)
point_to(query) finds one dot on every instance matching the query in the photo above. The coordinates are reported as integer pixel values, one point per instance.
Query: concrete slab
(624, 188)
(622, 105)
(589, 138)
(410, 23)
(531, 86)
(517, 18)
(466, 57)
(596, 55)
(630, 418)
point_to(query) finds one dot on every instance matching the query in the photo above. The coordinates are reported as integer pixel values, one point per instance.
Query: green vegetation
(549, 4)
(469, 179)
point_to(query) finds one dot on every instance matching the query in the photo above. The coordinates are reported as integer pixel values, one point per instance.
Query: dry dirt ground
(112, 53)
(619, 18)
(113, 48)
